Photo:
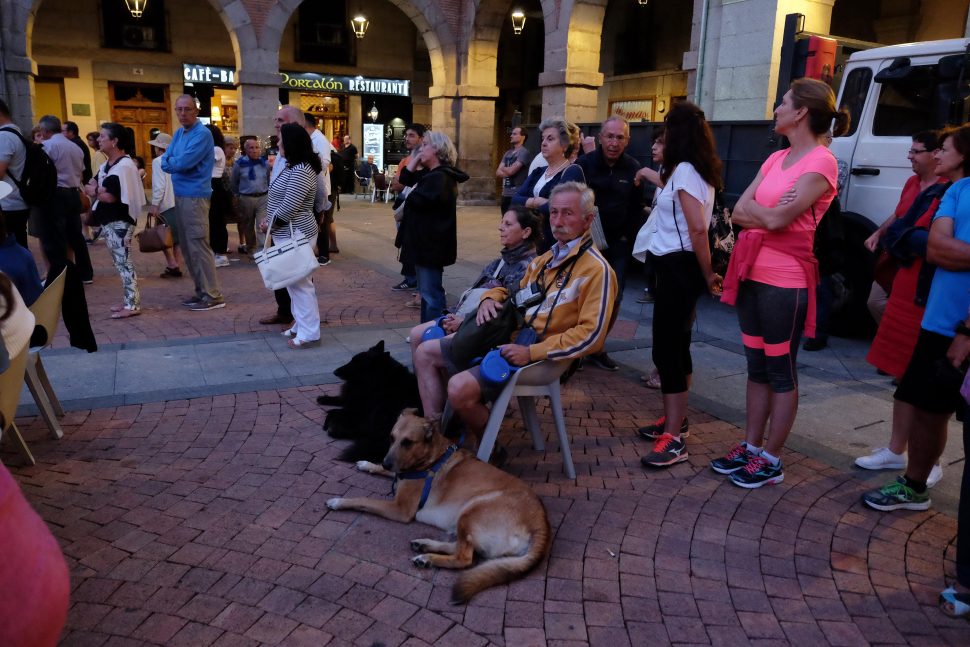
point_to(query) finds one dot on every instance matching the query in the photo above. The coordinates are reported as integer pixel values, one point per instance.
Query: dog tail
(502, 569)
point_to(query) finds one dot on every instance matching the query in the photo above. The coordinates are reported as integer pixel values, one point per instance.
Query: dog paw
(366, 466)
(421, 561)
(419, 545)
(334, 504)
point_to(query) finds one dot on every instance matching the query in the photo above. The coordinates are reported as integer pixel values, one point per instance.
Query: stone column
(573, 95)
(571, 79)
(467, 114)
(18, 83)
(259, 98)
(19, 86)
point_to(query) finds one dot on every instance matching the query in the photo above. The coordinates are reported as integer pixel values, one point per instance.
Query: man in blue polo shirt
(189, 159)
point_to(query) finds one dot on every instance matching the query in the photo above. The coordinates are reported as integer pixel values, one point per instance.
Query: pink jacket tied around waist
(797, 244)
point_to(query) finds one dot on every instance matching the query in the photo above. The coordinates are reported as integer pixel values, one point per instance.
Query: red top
(908, 196)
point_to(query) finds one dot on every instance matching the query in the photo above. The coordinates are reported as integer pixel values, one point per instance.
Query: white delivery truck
(891, 93)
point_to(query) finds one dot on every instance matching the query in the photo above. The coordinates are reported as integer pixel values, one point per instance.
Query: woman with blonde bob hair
(559, 140)
(773, 274)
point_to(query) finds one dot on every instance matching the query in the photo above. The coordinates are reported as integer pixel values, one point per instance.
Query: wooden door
(145, 109)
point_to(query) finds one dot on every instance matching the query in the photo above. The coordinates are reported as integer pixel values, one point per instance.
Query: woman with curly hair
(676, 241)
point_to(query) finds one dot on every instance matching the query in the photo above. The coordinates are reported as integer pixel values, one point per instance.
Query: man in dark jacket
(428, 236)
(610, 172)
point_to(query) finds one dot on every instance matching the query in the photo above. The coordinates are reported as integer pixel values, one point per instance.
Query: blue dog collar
(428, 474)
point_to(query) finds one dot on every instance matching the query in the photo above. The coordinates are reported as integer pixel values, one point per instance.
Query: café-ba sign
(303, 81)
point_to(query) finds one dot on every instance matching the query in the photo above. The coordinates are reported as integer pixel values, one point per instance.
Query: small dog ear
(431, 425)
(409, 411)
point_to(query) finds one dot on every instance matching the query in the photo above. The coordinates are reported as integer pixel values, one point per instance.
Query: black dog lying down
(376, 389)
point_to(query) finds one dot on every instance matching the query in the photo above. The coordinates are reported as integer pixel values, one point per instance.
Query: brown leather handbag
(155, 237)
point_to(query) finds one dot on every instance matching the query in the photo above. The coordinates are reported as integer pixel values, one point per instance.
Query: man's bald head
(289, 115)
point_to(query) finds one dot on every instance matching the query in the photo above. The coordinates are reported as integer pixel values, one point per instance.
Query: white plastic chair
(10, 381)
(47, 310)
(531, 381)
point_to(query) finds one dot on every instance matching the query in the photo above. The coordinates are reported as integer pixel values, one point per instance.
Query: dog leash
(428, 474)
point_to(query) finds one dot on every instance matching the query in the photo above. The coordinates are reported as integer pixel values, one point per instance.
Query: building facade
(456, 65)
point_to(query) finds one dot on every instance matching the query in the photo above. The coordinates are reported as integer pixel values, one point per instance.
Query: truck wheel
(852, 319)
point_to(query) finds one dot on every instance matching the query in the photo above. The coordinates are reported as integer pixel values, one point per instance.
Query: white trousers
(306, 310)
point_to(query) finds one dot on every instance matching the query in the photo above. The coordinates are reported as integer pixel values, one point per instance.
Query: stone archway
(16, 48)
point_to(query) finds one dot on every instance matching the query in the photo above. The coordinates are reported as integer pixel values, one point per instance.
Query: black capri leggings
(679, 284)
(771, 320)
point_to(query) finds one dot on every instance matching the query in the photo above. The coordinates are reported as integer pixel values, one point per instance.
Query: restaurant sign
(345, 84)
(214, 75)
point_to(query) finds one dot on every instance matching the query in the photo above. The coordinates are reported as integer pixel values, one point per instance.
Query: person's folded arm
(194, 151)
(808, 189)
(943, 250)
(525, 191)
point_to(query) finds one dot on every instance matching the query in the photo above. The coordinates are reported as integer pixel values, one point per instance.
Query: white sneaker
(222, 261)
(882, 459)
(935, 475)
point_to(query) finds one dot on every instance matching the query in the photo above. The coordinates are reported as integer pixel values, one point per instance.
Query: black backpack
(39, 178)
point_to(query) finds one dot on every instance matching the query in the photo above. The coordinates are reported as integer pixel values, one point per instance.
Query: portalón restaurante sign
(210, 74)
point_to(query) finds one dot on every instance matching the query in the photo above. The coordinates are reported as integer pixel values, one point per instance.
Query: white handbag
(285, 264)
(468, 302)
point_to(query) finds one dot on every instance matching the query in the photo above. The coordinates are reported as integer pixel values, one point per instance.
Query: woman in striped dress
(290, 201)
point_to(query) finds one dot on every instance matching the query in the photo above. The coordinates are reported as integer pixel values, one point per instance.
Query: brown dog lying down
(492, 514)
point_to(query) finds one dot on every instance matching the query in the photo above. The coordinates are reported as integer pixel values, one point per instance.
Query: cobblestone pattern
(349, 293)
(203, 522)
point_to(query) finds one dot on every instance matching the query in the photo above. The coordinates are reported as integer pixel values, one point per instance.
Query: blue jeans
(431, 290)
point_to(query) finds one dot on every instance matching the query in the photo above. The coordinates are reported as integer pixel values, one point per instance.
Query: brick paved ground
(203, 521)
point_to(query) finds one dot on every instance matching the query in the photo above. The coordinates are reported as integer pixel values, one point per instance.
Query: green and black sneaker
(897, 495)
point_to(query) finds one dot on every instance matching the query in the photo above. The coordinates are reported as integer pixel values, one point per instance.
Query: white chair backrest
(47, 307)
(11, 383)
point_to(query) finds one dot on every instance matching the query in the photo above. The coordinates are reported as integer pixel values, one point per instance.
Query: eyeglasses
(913, 151)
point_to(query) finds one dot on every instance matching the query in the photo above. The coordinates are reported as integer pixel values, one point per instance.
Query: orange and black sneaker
(667, 451)
(654, 431)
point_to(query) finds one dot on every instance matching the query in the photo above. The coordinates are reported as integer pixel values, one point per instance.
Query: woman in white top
(221, 202)
(120, 196)
(675, 238)
(163, 205)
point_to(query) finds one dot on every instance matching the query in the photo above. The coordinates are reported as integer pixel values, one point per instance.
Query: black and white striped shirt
(290, 199)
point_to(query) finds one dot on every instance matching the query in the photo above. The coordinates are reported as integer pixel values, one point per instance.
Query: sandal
(124, 314)
(300, 344)
(289, 333)
(955, 605)
(650, 381)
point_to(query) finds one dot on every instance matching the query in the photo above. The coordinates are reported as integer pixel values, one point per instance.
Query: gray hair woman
(444, 150)
(429, 229)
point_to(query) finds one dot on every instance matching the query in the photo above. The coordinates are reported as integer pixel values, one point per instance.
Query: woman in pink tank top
(773, 274)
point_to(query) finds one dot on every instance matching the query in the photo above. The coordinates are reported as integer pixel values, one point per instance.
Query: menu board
(374, 144)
